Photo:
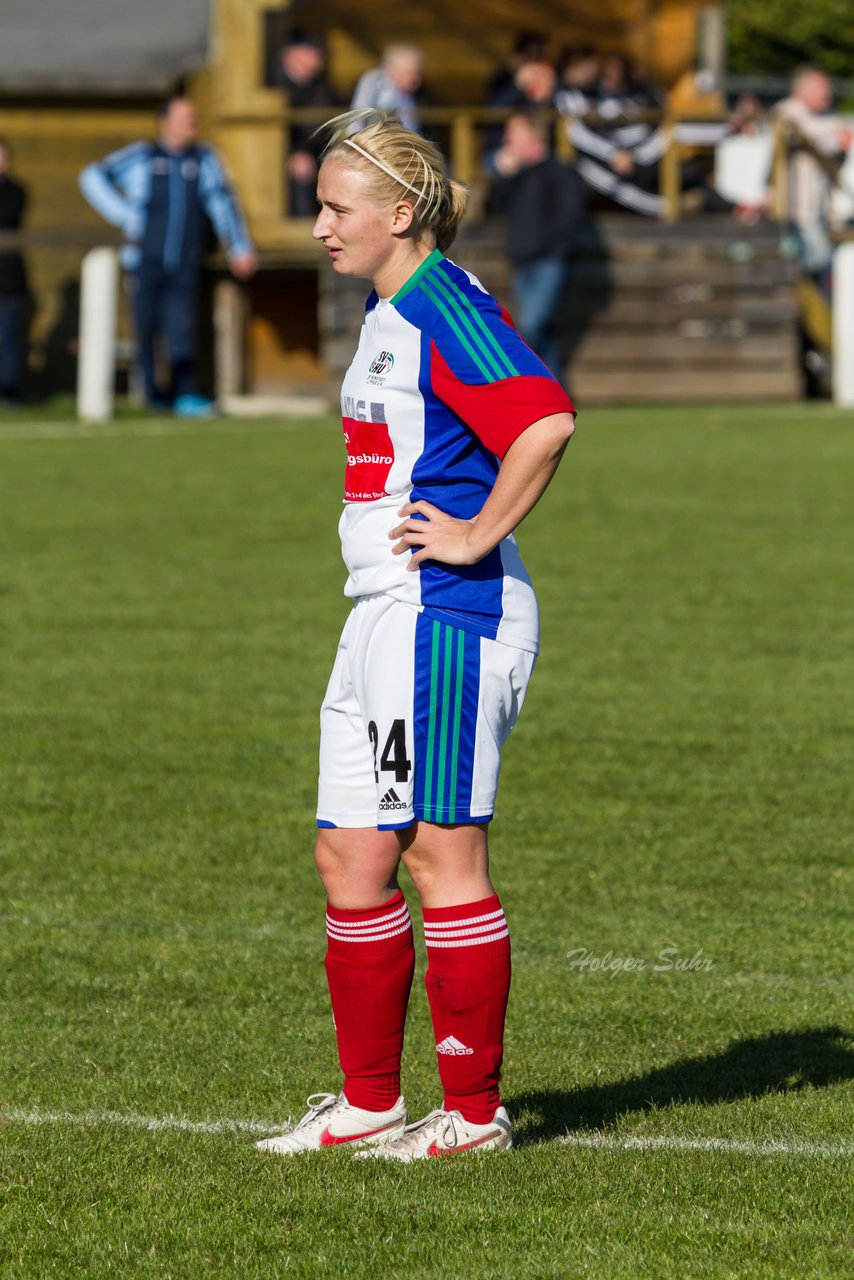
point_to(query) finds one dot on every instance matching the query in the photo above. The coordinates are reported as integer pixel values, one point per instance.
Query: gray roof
(100, 46)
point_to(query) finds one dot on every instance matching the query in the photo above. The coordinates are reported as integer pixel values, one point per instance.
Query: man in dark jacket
(14, 294)
(543, 204)
(302, 75)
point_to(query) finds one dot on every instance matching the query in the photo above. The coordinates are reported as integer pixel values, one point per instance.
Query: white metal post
(843, 325)
(96, 366)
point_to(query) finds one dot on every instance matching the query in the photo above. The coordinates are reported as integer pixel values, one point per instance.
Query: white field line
(823, 1148)
(154, 1124)
(743, 1146)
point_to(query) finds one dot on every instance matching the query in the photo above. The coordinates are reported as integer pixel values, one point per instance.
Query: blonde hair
(400, 165)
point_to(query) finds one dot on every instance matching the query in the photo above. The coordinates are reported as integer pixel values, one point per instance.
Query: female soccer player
(453, 429)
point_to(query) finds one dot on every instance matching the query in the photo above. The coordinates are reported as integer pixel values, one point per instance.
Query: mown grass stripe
(466, 304)
(437, 302)
(458, 707)
(443, 732)
(431, 726)
(464, 315)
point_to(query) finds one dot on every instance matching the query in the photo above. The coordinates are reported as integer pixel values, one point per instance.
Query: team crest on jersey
(379, 367)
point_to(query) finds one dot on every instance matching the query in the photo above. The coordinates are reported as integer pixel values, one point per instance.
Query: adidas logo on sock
(391, 800)
(453, 1046)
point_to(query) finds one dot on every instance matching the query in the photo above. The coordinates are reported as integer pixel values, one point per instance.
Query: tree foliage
(776, 36)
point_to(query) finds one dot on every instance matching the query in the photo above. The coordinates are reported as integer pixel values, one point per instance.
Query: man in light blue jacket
(160, 193)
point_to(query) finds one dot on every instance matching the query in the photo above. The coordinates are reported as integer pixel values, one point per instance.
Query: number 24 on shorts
(394, 758)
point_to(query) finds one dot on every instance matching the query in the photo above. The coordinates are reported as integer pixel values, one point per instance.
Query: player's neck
(394, 274)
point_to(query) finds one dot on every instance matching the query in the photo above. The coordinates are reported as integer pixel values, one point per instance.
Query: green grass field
(170, 599)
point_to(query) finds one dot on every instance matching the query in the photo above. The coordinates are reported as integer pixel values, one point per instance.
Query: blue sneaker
(194, 407)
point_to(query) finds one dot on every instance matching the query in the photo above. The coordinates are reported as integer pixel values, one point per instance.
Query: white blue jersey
(440, 387)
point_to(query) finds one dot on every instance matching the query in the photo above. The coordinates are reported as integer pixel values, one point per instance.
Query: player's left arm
(523, 477)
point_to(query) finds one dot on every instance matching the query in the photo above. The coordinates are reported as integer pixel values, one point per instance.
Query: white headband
(428, 175)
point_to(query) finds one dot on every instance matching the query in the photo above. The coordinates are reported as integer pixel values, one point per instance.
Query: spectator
(810, 185)
(578, 80)
(302, 75)
(532, 85)
(543, 204)
(530, 46)
(394, 85)
(14, 295)
(619, 157)
(158, 193)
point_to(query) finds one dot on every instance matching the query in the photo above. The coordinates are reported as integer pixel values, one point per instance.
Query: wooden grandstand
(655, 312)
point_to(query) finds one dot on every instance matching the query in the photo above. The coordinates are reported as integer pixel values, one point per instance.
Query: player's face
(360, 236)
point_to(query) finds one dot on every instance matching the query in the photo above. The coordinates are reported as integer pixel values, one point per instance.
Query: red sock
(369, 964)
(468, 981)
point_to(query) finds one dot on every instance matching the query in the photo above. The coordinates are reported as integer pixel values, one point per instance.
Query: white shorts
(414, 719)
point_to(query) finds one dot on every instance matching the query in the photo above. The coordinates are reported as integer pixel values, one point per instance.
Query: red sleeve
(497, 412)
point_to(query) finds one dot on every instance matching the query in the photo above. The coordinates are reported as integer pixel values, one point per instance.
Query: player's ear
(402, 216)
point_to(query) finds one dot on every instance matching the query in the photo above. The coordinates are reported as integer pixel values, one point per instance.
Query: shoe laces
(317, 1103)
(438, 1124)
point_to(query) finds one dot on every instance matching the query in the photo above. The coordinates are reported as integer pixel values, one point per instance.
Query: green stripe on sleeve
(458, 708)
(431, 728)
(437, 282)
(463, 302)
(437, 302)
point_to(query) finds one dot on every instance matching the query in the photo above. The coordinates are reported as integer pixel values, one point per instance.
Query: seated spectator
(578, 80)
(394, 85)
(807, 110)
(532, 85)
(543, 204)
(302, 75)
(530, 46)
(618, 157)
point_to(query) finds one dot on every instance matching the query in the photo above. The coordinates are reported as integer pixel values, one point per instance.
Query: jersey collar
(426, 265)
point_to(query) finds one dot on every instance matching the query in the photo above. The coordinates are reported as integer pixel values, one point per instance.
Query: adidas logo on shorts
(391, 800)
(451, 1045)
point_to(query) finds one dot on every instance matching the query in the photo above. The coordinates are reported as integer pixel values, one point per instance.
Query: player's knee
(426, 865)
(333, 857)
(356, 864)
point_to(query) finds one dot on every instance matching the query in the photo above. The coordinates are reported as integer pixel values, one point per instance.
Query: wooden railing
(257, 146)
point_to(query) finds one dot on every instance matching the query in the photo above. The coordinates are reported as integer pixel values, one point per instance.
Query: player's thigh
(346, 793)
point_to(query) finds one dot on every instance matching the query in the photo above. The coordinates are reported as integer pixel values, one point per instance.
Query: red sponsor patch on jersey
(370, 455)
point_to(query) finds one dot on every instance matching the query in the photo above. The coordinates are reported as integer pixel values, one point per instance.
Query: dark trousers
(538, 288)
(165, 304)
(11, 346)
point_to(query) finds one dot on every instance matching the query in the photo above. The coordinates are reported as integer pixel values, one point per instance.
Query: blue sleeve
(221, 205)
(479, 365)
(106, 183)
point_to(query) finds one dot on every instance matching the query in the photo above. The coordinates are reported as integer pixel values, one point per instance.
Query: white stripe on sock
(471, 942)
(457, 924)
(464, 933)
(390, 917)
(375, 936)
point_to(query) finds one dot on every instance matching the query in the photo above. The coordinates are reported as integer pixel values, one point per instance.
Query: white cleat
(446, 1133)
(332, 1122)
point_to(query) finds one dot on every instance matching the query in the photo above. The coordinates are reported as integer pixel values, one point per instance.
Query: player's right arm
(106, 185)
(523, 477)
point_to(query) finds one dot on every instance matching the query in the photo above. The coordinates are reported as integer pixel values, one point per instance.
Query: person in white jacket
(807, 109)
